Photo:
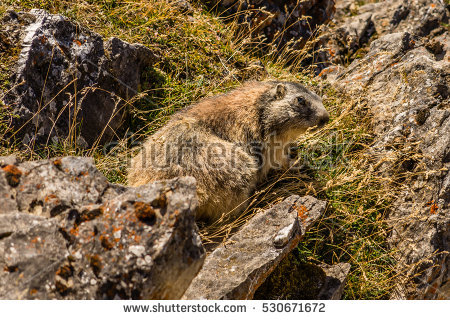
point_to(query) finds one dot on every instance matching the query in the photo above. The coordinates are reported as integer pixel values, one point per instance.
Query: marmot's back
(229, 142)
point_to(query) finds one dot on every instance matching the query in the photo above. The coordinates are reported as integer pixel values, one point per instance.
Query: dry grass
(203, 56)
(334, 164)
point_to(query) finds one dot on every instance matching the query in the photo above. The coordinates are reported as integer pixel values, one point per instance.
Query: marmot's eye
(300, 100)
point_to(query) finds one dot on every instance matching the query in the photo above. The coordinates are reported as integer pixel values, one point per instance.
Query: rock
(183, 6)
(8, 160)
(351, 37)
(6, 193)
(296, 280)
(336, 277)
(418, 17)
(282, 25)
(411, 121)
(344, 8)
(356, 26)
(239, 266)
(69, 234)
(67, 75)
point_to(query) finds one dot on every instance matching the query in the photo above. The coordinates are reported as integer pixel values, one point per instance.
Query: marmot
(229, 142)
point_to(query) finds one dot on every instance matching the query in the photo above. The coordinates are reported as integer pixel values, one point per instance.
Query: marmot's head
(290, 107)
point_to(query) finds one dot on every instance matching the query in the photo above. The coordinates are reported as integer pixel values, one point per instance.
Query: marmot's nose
(324, 119)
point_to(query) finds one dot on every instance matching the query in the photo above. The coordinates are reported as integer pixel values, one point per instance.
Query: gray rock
(8, 160)
(418, 17)
(69, 234)
(342, 44)
(240, 265)
(352, 36)
(183, 6)
(411, 120)
(68, 81)
(357, 31)
(9, 177)
(336, 278)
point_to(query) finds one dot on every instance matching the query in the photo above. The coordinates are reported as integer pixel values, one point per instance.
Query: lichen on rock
(67, 233)
(68, 82)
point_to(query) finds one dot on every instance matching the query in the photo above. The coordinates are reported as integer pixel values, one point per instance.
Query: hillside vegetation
(201, 55)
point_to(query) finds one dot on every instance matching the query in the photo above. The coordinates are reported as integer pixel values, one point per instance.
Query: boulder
(239, 266)
(66, 233)
(403, 78)
(68, 82)
(356, 26)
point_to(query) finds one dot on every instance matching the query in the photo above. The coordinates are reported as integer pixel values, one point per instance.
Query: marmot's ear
(280, 91)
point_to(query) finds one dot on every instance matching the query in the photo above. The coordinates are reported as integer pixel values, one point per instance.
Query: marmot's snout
(323, 119)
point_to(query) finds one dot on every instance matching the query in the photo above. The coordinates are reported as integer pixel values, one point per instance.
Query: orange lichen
(433, 207)
(90, 213)
(328, 70)
(12, 174)
(11, 268)
(64, 272)
(104, 240)
(145, 212)
(96, 264)
(57, 163)
(50, 197)
(74, 231)
(115, 229)
(301, 212)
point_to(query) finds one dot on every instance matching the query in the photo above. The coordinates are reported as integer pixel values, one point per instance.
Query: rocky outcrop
(403, 78)
(239, 266)
(66, 233)
(283, 25)
(68, 81)
(356, 26)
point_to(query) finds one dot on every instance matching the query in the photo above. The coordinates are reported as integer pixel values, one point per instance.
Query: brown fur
(229, 142)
